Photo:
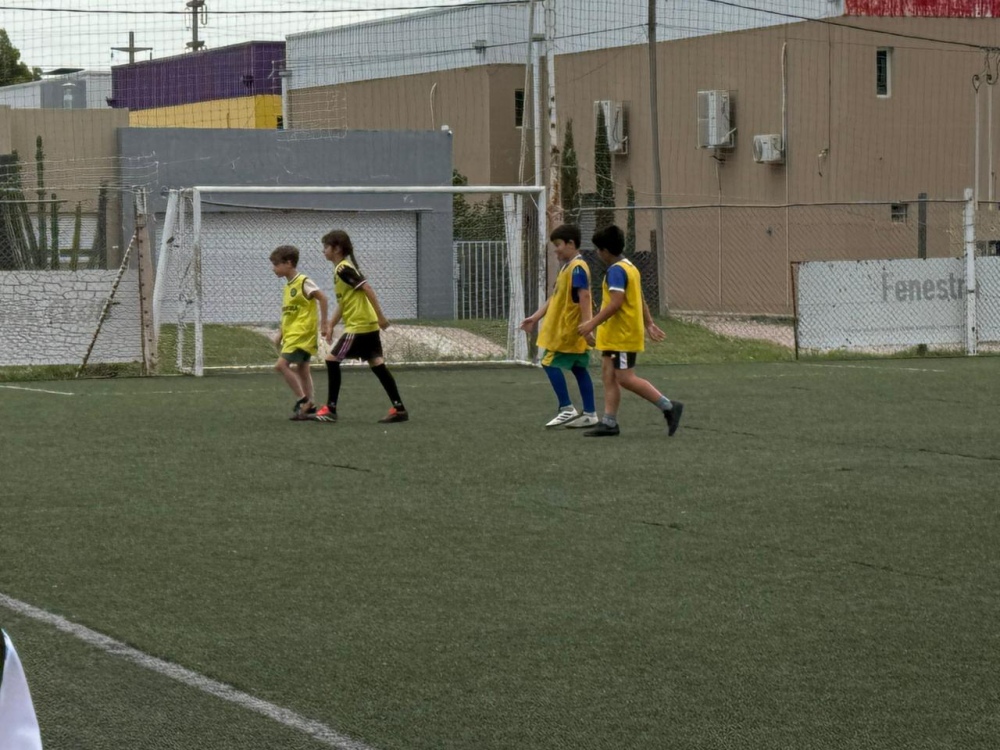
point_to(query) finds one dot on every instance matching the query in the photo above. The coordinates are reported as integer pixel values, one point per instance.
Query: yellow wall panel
(267, 110)
(245, 112)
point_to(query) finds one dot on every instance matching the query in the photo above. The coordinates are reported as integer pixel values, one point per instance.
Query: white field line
(37, 390)
(284, 716)
(872, 367)
(220, 391)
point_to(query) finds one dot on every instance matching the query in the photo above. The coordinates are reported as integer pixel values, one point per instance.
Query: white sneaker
(587, 419)
(566, 415)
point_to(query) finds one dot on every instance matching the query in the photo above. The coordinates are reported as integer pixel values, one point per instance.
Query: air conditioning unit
(615, 124)
(768, 149)
(715, 122)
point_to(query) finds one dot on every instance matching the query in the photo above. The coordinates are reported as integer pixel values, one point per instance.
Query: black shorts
(621, 360)
(363, 346)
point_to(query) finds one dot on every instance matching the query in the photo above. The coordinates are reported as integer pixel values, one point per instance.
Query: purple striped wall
(224, 73)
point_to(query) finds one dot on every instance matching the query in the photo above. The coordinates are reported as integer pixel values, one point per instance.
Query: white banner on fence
(876, 303)
(988, 299)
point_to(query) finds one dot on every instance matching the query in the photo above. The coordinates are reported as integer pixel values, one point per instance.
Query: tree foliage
(43, 228)
(99, 246)
(605, 214)
(569, 177)
(18, 248)
(479, 220)
(12, 70)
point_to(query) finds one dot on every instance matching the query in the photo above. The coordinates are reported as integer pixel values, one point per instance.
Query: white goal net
(455, 269)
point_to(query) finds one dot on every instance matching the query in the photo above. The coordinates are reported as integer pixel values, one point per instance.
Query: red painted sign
(927, 8)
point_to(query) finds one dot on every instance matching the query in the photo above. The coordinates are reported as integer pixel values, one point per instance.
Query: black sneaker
(306, 414)
(602, 430)
(673, 417)
(395, 415)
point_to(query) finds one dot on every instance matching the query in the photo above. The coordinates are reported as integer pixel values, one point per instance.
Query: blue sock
(586, 388)
(558, 381)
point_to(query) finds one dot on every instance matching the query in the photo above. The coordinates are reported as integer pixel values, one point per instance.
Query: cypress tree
(605, 186)
(43, 229)
(570, 177)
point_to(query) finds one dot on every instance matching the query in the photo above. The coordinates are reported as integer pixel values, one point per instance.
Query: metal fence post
(970, 272)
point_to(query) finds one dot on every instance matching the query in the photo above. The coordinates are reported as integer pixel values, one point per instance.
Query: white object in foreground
(18, 725)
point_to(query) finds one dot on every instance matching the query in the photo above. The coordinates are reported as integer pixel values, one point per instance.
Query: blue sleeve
(617, 278)
(580, 279)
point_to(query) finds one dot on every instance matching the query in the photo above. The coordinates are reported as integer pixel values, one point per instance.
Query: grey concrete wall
(189, 157)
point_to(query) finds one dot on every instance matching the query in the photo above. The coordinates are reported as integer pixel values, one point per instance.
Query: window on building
(987, 247)
(883, 71)
(518, 108)
(898, 212)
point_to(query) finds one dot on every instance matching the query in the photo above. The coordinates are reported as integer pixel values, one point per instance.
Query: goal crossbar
(381, 189)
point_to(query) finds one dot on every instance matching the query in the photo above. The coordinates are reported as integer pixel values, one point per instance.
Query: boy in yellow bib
(620, 324)
(565, 349)
(300, 325)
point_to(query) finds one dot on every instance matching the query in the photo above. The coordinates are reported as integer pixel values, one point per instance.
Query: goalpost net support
(455, 268)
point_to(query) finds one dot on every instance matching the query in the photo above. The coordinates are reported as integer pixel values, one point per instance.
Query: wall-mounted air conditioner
(715, 121)
(768, 149)
(615, 124)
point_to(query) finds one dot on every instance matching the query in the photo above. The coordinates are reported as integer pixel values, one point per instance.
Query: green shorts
(565, 360)
(296, 356)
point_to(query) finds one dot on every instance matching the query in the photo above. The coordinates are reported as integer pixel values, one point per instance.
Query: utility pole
(554, 208)
(131, 49)
(654, 127)
(197, 9)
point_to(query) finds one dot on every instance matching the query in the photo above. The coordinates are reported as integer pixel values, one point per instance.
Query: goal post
(456, 269)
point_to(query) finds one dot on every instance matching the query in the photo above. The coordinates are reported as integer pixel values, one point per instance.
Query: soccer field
(811, 562)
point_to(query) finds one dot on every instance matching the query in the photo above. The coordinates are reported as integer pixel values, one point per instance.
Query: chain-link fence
(740, 264)
(736, 259)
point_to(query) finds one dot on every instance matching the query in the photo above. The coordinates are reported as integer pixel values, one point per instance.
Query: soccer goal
(456, 269)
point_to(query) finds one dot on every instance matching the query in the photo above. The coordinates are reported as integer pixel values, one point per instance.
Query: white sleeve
(18, 725)
(309, 287)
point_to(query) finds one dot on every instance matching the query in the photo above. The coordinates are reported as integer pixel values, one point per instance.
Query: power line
(272, 12)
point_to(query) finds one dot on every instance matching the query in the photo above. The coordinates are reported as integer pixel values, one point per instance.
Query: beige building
(477, 104)
(866, 123)
(80, 154)
(864, 115)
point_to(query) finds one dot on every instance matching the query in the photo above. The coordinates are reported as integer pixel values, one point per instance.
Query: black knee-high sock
(333, 382)
(388, 383)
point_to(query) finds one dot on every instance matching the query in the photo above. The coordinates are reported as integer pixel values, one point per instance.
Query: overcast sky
(81, 33)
